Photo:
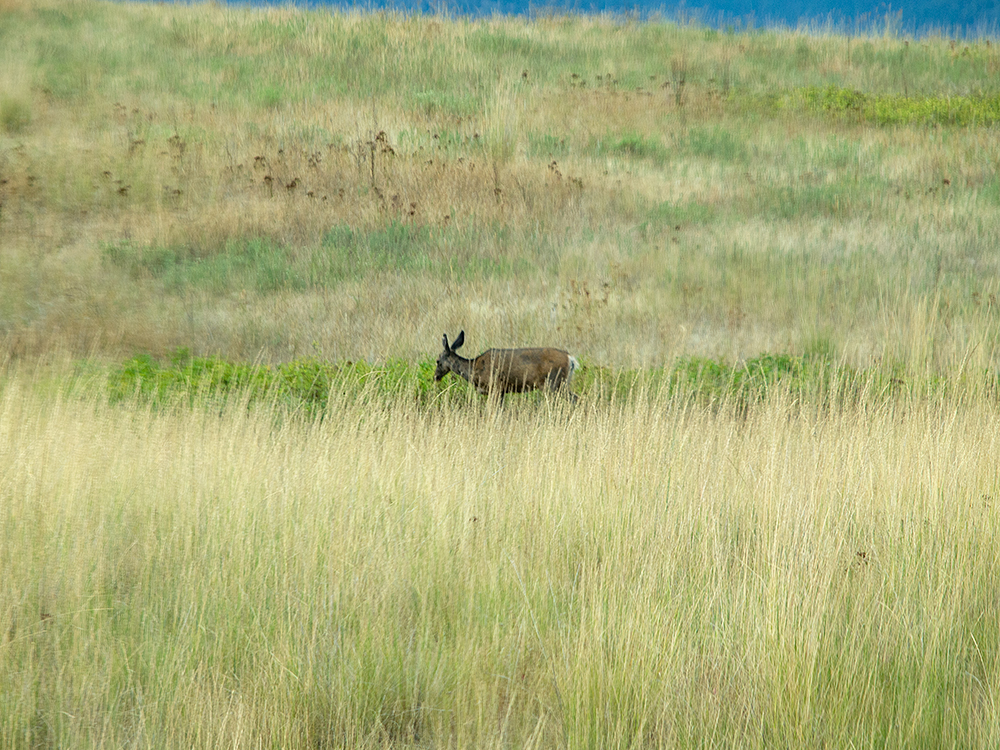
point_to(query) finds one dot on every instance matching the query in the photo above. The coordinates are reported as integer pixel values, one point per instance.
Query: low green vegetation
(15, 115)
(630, 147)
(301, 386)
(814, 380)
(343, 254)
(894, 109)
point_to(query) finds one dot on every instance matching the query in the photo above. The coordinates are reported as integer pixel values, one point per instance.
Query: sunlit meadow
(771, 520)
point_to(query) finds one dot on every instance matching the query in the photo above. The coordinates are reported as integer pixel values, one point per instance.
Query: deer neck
(461, 366)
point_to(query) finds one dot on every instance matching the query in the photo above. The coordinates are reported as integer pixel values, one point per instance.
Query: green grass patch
(258, 264)
(548, 146)
(438, 103)
(713, 143)
(816, 380)
(674, 214)
(395, 246)
(894, 109)
(716, 143)
(344, 253)
(629, 146)
(15, 114)
(837, 200)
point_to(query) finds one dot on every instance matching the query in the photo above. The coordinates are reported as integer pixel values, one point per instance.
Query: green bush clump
(300, 385)
(187, 379)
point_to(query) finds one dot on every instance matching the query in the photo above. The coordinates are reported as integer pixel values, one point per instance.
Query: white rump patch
(573, 367)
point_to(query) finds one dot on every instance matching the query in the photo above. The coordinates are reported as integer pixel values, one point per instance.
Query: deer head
(449, 361)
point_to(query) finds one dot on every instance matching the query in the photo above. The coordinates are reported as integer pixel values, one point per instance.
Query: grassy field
(236, 511)
(646, 574)
(266, 185)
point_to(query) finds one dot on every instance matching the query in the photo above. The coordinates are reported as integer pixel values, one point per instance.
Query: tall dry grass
(647, 573)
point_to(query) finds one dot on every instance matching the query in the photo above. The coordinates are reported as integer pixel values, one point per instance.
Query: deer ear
(459, 341)
(444, 339)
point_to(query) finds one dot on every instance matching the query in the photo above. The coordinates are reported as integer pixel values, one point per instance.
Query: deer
(504, 371)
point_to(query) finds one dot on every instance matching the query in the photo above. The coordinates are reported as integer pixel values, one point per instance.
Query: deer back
(516, 370)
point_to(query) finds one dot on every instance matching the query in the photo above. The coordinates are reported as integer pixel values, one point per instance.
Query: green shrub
(301, 385)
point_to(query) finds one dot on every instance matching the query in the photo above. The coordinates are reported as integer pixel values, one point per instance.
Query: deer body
(506, 371)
